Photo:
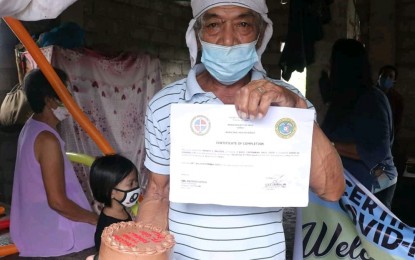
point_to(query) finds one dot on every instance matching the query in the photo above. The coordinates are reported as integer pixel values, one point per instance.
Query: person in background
(232, 35)
(388, 76)
(114, 182)
(359, 120)
(50, 214)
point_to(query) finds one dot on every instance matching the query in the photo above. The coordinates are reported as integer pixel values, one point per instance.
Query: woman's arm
(155, 206)
(49, 155)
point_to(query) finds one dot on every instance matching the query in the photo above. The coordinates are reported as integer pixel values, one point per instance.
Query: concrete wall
(405, 62)
(157, 27)
(388, 29)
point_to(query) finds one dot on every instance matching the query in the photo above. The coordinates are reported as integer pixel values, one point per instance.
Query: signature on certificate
(276, 183)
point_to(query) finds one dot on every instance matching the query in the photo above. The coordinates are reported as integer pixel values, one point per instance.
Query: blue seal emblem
(285, 128)
(200, 125)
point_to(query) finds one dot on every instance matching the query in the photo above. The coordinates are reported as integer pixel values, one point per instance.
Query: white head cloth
(200, 6)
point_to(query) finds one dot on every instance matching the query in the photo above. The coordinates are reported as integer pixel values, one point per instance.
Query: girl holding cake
(114, 182)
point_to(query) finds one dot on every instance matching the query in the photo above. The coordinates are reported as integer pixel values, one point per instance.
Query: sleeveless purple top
(36, 229)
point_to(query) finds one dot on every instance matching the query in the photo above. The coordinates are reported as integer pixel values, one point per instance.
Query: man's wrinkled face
(229, 25)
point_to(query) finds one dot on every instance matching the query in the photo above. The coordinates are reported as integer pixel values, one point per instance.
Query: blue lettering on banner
(373, 222)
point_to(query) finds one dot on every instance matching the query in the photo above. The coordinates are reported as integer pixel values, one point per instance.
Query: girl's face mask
(130, 196)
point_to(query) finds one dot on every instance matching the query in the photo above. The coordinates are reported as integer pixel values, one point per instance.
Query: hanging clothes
(304, 29)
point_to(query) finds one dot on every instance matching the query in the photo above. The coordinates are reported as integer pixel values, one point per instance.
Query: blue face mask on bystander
(228, 64)
(385, 82)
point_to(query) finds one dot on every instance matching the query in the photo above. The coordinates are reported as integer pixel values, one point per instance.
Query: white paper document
(218, 158)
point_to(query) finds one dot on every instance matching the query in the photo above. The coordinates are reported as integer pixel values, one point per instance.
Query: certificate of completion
(218, 158)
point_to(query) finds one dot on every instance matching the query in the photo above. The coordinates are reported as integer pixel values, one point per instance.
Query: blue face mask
(228, 64)
(385, 82)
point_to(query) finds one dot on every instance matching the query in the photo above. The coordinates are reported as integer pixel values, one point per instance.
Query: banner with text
(358, 226)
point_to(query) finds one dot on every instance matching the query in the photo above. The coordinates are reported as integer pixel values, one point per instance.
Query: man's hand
(253, 100)
(326, 174)
(154, 208)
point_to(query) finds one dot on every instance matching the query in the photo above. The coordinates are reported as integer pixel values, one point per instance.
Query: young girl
(114, 182)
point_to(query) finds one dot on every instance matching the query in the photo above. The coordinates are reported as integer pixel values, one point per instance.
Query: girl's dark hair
(106, 172)
(350, 77)
(37, 88)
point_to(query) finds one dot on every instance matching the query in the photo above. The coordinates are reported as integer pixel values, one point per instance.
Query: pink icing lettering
(122, 240)
(146, 234)
(139, 238)
(157, 237)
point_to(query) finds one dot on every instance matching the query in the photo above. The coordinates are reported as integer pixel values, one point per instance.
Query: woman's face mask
(228, 64)
(61, 113)
(130, 196)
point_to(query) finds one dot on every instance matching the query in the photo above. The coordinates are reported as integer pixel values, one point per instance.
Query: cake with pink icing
(135, 241)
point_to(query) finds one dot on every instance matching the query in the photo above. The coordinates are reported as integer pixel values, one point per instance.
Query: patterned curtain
(113, 92)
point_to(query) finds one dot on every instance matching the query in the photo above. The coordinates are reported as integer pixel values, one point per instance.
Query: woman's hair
(350, 77)
(106, 172)
(37, 88)
(350, 66)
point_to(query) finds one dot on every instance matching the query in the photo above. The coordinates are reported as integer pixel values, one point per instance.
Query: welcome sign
(358, 226)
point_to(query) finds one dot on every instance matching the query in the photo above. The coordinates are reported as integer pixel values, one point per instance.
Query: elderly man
(232, 36)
